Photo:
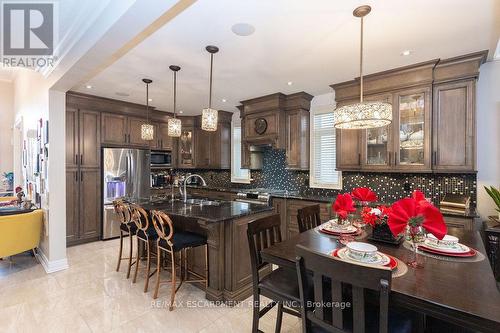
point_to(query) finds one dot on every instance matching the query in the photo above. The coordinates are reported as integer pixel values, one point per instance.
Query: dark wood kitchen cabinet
(454, 126)
(114, 129)
(83, 155)
(433, 126)
(165, 142)
(122, 130)
(297, 139)
(202, 143)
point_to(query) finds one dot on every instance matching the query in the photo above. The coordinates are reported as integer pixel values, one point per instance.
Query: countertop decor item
(174, 125)
(209, 116)
(414, 216)
(147, 130)
(363, 114)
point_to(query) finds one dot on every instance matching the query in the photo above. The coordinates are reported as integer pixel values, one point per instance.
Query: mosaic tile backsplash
(389, 186)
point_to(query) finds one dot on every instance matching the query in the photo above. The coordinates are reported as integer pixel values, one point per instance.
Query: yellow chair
(20, 232)
(3, 199)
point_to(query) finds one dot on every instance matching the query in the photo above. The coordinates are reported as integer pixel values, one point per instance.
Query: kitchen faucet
(204, 183)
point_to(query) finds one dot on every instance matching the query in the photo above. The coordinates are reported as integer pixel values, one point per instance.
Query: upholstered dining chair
(280, 285)
(171, 242)
(322, 303)
(145, 234)
(308, 217)
(128, 228)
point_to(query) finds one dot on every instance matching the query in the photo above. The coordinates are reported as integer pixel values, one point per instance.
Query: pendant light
(209, 116)
(147, 130)
(174, 124)
(363, 114)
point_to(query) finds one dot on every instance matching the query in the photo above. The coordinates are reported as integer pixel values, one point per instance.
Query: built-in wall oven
(161, 159)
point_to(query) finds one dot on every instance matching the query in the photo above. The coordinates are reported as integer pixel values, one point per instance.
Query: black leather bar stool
(172, 242)
(145, 234)
(128, 228)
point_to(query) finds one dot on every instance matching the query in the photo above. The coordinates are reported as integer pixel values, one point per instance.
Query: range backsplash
(388, 186)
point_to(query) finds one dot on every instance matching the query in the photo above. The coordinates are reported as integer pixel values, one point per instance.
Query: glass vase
(415, 235)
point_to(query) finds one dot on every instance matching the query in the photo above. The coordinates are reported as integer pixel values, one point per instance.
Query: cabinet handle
(395, 158)
(81, 159)
(434, 157)
(76, 176)
(81, 176)
(359, 158)
(125, 138)
(76, 158)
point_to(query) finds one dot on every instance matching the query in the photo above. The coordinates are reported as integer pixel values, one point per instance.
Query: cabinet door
(166, 142)
(72, 201)
(454, 126)
(203, 146)
(114, 129)
(185, 157)
(220, 147)
(348, 149)
(134, 132)
(90, 202)
(90, 139)
(71, 138)
(245, 149)
(376, 150)
(412, 130)
(297, 139)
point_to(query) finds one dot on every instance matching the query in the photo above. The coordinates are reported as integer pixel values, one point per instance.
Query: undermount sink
(202, 202)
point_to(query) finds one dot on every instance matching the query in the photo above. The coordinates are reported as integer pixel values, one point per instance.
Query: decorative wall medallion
(260, 126)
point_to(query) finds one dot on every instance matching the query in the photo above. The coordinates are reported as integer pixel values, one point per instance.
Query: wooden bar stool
(146, 234)
(308, 218)
(128, 229)
(171, 242)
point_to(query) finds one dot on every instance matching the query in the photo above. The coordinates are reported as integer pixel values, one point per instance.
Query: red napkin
(364, 194)
(343, 205)
(410, 209)
(368, 217)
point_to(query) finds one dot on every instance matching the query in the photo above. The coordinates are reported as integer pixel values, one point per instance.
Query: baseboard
(51, 266)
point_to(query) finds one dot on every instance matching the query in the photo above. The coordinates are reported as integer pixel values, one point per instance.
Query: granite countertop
(222, 211)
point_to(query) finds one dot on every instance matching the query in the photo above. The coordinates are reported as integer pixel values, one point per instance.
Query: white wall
(488, 135)
(6, 125)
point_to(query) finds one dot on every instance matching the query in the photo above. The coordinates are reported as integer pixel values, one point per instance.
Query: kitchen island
(225, 225)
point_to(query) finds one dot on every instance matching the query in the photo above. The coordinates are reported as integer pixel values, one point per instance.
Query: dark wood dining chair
(280, 285)
(322, 307)
(128, 228)
(145, 234)
(172, 242)
(308, 217)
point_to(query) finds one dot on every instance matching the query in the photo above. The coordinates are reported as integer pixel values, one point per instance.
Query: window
(238, 175)
(322, 173)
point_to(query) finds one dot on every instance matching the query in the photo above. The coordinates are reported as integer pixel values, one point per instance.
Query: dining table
(462, 293)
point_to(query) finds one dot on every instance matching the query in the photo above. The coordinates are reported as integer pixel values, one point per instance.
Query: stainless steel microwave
(161, 159)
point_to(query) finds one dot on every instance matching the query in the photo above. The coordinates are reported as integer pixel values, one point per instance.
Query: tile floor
(91, 296)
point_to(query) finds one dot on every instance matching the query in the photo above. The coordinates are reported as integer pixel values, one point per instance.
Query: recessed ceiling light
(406, 53)
(289, 83)
(88, 86)
(150, 99)
(224, 100)
(123, 94)
(181, 112)
(243, 29)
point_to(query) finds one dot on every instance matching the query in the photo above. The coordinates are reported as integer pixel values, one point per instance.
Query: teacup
(361, 251)
(448, 241)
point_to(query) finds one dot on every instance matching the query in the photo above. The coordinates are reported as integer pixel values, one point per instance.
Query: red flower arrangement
(364, 194)
(375, 216)
(343, 205)
(415, 212)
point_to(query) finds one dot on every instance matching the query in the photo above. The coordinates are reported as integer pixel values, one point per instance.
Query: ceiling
(311, 46)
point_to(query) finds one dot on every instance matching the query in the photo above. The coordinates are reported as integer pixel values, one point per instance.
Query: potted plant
(494, 193)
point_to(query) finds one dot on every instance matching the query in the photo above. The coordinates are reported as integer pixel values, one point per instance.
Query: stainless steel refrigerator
(126, 175)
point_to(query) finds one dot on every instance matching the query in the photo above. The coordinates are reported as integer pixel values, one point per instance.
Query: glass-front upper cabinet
(377, 142)
(186, 151)
(412, 138)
